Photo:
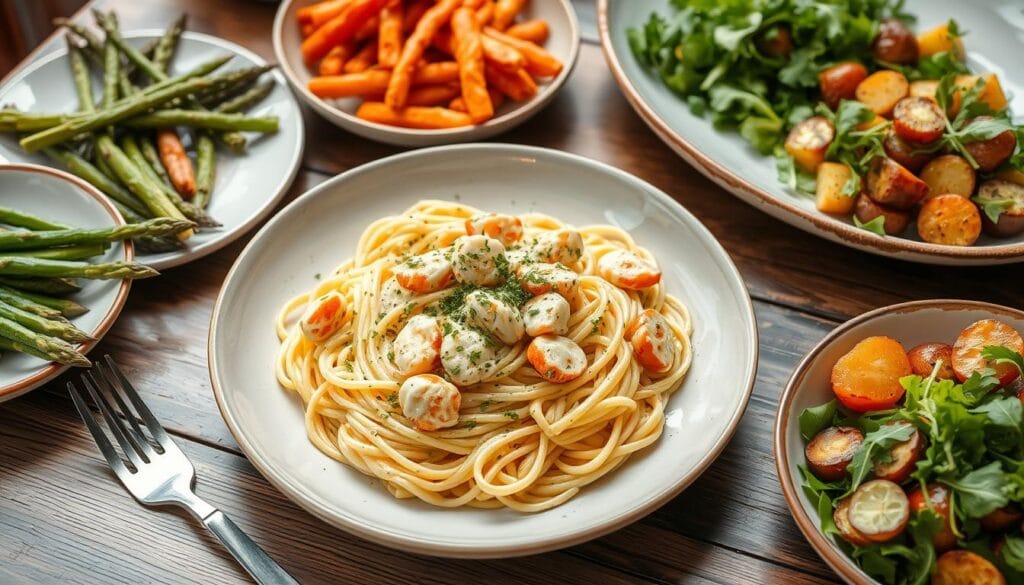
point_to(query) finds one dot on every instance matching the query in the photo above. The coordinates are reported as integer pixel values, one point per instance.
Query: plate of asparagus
(164, 122)
(66, 265)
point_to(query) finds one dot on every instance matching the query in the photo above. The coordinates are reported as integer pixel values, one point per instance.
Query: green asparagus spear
(153, 158)
(65, 307)
(123, 109)
(27, 240)
(98, 179)
(131, 148)
(27, 220)
(111, 71)
(14, 266)
(58, 329)
(235, 83)
(46, 286)
(47, 348)
(247, 99)
(168, 43)
(17, 299)
(205, 170)
(154, 198)
(76, 252)
(80, 74)
(208, 120)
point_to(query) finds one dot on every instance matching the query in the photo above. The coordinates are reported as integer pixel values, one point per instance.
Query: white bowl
(248, 185)
(563, 42)
(319, 230)
(63, 198)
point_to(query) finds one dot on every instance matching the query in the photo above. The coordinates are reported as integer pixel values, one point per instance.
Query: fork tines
(108, 387)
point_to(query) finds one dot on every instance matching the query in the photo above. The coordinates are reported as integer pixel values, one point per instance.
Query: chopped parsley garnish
(393, 399)
(511, 414)
(485, 405)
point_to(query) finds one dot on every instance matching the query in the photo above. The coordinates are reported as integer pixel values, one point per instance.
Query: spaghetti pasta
(515, 438)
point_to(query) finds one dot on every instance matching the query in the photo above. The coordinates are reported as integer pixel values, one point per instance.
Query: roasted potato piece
(840, 81)
(903, 457)
(947, 174)
(918, 120)
(992, 95)
(926, 88)
(938, 501)
(896, 220)
(1002, 519)
(1011, 220)
(961, 567)
(939, 40)
(891, 184)
(776, 42)
(879, 510)
(909, 155)
(923, 358)
(830, 451)
(967, 357)
(829, 196)
(895, 43)
(991, 153)
(881, 90)
(808, 141)
(950, 220)
(868, 376)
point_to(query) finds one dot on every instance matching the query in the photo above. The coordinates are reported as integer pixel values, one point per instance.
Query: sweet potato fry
(535, 31)
(518, 86)
(469, 54)
(538, 61)
(179, 167)
(334, 61)
(375, 81)
(364, 59)
(340, 29)
(505, 12)
(401, 79)
(433, 95)
(321, 12)
(413, 117)
(390, 36)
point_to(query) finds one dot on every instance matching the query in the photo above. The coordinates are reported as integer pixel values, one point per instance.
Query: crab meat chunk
(417, 347)
(430, 402)
(563, 246)
(538, 279)
(507, 229)
(323, 317)
(466, 354)
(626, 269)
(546, 314)
(503, 321)
(476, 259)
(556, 358)
(426, 273)
(652, 341)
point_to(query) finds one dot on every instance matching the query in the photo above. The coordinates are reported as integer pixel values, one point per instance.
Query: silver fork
(154, 469)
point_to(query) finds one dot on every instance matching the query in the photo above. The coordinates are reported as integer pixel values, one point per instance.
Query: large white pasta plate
(320, 230)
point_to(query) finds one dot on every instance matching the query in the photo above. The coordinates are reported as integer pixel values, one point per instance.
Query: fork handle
(257, 563)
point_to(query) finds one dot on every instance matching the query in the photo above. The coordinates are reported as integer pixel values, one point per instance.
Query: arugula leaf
(729, 38)
(981, 490)
(813, 420)
(998, 354)
(1002, 412)
(993, 208)
(817, 491)
(791, 175)
(875, 226)
(876, 444)
(980, 384)
(1013, 552)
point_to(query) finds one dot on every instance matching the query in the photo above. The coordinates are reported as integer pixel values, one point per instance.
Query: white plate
(320, 230)
(994, 41)
(563, 42)
(248, 185)
(60, 197)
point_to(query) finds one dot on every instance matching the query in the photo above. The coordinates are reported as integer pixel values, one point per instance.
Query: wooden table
(63, 517)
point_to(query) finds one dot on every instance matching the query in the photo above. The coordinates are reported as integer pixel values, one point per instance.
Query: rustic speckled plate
(994, 41)
(910, 323)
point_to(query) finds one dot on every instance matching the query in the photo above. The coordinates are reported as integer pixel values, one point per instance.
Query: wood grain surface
(64, 518)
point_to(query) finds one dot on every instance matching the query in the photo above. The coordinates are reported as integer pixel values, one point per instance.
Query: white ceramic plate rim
(225, 234)
(523, 110)
(325, 511)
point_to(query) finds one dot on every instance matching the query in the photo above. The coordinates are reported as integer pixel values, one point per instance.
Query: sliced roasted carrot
(538, 61)
(518, 86)
(505, 12)
(469, 54)
(401, 79)
(967, 358)
(535, 31)
(391, 35)
(176, 162)
(339, 29)
(413, 116)
(375, 82)
(868, 376)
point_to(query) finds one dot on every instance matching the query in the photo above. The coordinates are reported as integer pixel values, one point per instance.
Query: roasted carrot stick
(413, 14)
(538, 61)
(505, 12)
(535, 31)
(333, 62)
(179, 168)
(495, 52)
(321, 12)
(459, 105)
(401, 79)
(390, 35)
(469, 53)
(485, 14)
(518, 86)
(413, 117)
(433, 95)
(308, 29)
(364, 59)
(375, 81)
(369, 29)
(340, 29)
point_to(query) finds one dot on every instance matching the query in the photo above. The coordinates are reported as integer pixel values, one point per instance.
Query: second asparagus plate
(247, 185)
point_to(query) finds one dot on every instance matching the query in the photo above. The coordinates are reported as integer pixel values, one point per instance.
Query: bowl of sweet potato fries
(425, 72)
